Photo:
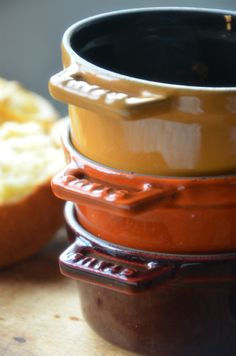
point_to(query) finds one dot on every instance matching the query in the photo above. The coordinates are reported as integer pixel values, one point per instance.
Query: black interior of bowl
(196, 48)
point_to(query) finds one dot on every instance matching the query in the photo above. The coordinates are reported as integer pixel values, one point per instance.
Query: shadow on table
(43, 266)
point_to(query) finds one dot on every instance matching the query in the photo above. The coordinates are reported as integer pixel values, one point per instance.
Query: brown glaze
(172, 320)
(177, 215)
(146, 126)
(190, 312)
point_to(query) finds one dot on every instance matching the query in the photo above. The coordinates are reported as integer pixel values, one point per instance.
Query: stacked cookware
(150, 183)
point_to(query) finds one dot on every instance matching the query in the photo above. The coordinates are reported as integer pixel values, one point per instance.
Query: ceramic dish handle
(69, 86)
(76, 186)
(89, 264)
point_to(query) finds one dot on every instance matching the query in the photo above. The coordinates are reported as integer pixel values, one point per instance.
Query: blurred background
(31, 32)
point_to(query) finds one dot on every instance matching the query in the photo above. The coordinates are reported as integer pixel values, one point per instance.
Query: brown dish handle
(89, 263)
(96, 266)
(74, 185)
(70, 87)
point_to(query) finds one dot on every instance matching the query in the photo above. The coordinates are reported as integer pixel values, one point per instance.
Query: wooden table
(40, 313)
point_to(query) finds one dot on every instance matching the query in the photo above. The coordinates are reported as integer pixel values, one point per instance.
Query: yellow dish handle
(70, 87)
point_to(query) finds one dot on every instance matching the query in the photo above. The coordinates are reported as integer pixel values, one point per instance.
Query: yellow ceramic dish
(153, 90)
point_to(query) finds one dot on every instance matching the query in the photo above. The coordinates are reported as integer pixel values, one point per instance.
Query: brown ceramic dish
(177, 215)
(150, 303)
(153, 90)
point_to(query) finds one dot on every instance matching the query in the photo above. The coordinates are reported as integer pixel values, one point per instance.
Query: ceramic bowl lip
(110, 74)
(66, 139)
(69, 213)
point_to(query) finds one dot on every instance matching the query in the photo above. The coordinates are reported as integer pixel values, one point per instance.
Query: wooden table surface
(40, 313)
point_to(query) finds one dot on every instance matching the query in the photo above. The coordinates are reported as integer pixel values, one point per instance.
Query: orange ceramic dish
(169, 215)
(153, 91)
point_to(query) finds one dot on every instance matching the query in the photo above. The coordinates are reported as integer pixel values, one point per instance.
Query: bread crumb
(74, 318)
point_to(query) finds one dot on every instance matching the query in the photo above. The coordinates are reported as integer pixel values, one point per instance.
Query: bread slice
(28, 224)
(21, 105)
(29, 157)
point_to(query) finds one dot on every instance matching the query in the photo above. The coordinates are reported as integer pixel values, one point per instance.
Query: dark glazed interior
(185, 47)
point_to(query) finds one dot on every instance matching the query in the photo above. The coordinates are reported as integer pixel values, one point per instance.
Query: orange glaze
(176, 215)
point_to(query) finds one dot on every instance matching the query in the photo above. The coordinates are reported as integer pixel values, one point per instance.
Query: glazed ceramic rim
(70, 217)
(80, 24)
(66, 138)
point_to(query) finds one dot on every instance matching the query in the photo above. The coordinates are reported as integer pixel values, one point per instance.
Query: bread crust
(28, 224)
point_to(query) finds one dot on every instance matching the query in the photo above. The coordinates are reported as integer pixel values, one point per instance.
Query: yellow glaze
(147, 127)
(157, 145)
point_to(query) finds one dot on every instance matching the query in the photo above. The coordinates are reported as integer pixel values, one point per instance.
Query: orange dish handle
(73, 184)
(69, 86)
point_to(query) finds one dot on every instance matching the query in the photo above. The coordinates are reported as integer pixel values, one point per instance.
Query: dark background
(31, 32)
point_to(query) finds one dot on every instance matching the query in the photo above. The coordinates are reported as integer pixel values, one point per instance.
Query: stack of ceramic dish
(151, 151)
